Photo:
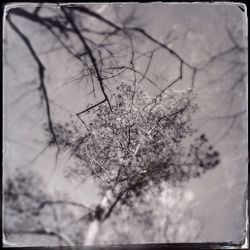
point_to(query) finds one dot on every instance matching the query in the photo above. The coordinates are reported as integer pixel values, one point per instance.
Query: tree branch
(41, 70)
(91, 56)
(118, 198)
(62, 202)
(85, 10)
(99, 103)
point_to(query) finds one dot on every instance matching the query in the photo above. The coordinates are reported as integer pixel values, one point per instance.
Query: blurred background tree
(121, 109)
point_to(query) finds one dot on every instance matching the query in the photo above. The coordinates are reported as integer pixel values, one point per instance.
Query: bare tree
(160, 216)
(127, 151)
(124, 139)
(130, 149)
(100, 53)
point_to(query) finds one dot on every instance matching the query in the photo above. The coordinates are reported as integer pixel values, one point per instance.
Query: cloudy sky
(198, 31)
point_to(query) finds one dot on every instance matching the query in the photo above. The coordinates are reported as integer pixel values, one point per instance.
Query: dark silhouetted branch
(120, 195)
(99, 103)
(91, 56)
(61, 202)
(85, 10)
(41, 70)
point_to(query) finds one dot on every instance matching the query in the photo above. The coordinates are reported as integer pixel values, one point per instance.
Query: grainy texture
(124, 123)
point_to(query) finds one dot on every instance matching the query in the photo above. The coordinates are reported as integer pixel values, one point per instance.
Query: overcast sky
(219, 196)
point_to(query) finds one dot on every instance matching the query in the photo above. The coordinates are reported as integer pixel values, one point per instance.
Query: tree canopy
(131, 132)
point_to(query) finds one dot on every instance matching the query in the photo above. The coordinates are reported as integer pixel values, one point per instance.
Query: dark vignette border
(206, 245)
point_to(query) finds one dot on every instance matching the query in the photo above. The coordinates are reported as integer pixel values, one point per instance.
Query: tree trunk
(94, 226)
(92, 232)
